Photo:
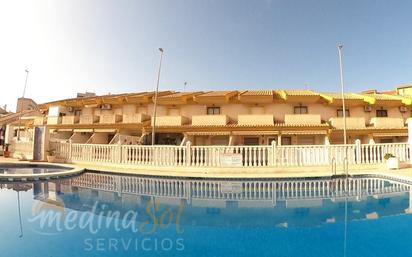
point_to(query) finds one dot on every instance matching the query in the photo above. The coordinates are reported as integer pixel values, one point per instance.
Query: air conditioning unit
(367, 108)
(106, 107)
(403, 108)
(70, 109)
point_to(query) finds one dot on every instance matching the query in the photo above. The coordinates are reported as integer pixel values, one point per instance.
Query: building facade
(247, 117)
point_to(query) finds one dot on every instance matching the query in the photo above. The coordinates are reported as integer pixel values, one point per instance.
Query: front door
(38, 143)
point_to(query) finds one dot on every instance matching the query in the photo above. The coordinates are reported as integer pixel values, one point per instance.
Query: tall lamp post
(342, 86)
(155, 98)
(24, 93)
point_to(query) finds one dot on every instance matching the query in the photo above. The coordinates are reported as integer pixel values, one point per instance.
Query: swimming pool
(35, 171)
(97, 214)
(24, 168)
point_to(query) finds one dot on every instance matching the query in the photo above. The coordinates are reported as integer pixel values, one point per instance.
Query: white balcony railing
(245, 156)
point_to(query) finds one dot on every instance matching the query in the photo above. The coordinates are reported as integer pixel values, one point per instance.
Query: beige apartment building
(234, 117)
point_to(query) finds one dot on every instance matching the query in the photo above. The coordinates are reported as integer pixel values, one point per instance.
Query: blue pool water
(106, 215)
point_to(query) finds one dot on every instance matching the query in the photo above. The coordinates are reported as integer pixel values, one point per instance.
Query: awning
(390, 134)
(308, 132)
(64, 130)
(214, 133)
(105, 130)
(83, 130)
(255, 133)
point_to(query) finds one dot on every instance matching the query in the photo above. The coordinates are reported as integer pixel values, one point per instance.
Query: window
(213, 110)
(339, 112)
(251, 141)
(77, 112)
(300, 109)
(381, 113)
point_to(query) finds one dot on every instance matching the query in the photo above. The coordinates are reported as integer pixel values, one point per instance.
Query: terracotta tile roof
(300, 92)
(257, 93)
(336, 95)
(385, 97)
(218, 93)
(177, 95)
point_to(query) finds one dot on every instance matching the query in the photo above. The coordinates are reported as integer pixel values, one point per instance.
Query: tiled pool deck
(242, 172)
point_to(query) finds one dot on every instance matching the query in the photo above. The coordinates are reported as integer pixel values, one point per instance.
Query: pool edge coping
(74, 170)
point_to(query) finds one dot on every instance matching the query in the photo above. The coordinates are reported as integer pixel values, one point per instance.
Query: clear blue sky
(111, 46)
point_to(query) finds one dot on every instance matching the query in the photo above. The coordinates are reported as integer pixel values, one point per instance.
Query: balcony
(170, 121)
(135, 118)
(110, 118)
(351, 122)
(54, 120)
(39, 121)
(302, 119)
(67, 120)
(387, 123)
(88, 119)
(256, 119)
(210, 120)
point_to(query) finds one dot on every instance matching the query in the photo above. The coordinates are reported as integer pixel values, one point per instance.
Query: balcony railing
(89, 119)
(386, 122)
(239, 156)
(255, 119)
(135, 118)
(351, 123)
(170, 121)
(110, 118)
(54, 120)
(210, 120)
(71, 119)
(305, 119)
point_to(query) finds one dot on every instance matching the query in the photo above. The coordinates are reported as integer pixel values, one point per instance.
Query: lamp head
(161, 50)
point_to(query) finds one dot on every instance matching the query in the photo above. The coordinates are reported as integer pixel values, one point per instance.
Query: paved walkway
(240, 172)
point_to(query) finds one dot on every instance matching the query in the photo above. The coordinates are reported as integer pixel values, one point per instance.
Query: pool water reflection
(99, 214)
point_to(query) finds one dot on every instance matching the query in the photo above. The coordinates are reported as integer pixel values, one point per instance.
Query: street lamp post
(24, 93)
(342, 85)
(155, 98)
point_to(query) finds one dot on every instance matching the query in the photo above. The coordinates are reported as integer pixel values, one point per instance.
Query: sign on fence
(229, 187)
(231, 159)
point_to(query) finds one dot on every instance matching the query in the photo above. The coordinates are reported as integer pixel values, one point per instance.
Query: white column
(409, 122)
(358, 151)
(327, 141)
